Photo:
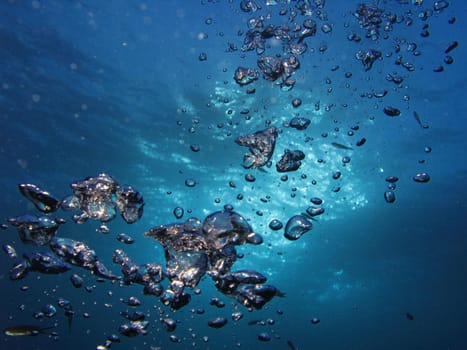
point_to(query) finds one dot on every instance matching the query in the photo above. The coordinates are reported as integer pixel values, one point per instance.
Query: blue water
(116, 86)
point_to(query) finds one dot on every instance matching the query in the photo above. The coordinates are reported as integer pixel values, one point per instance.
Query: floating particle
(244, 76)
(131, 203)
(202, 56)
(124, 238)
(440, 5)
(296, 227)
(76, 280)
(323, 48)
(60, 221)
(361, 142)
(178, 212)
(368, 58)
(256, 323)
(451, 46)
(217, 302)
(250, 178)
(174, 339)
(190, 183)
(133, 301)
(421, 177)
(261, 146)
(391, 111)
(275, 225)
(336, 175)
(228, 207)
(438, 69)
(308, 29)
(45, 262)
(217, 322)
(41, 199)
(296, 102)
(236, 316)
(255, 239)
(38, 315)
(103, 229)
(70, 203)
(78, 253)
(135, 316)
(340, 146)
(264, 336)
(299, 123)
(315, 320)
(448, 59)
(419, 120)
(389, 196)
(425, 34)
(10, 251)
(291, 345)
(113, 338)
(392, 179)
(249, 6)
(195, 148)
(290, 160)
(314, 211)
(169, 324)
(96, 198)
(133, 328)
(345, 160)
(49, 310)
(380, 94)
(38, 230)
(316, 201)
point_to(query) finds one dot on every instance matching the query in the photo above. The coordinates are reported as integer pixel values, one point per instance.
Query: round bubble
(264, 337)
(275, 225)
(178, 212)
(421, 177)
(190, 183)
(49, 310)
(390, 196)
(316, 200)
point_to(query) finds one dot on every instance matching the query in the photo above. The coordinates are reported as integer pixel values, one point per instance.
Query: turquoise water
(92, 87)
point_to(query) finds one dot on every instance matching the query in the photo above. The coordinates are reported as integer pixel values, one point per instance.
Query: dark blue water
(116, 86)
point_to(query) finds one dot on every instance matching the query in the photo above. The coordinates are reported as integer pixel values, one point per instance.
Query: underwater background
(145, 91)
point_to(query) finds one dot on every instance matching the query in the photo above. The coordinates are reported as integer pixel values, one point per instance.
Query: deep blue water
(117, 87)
